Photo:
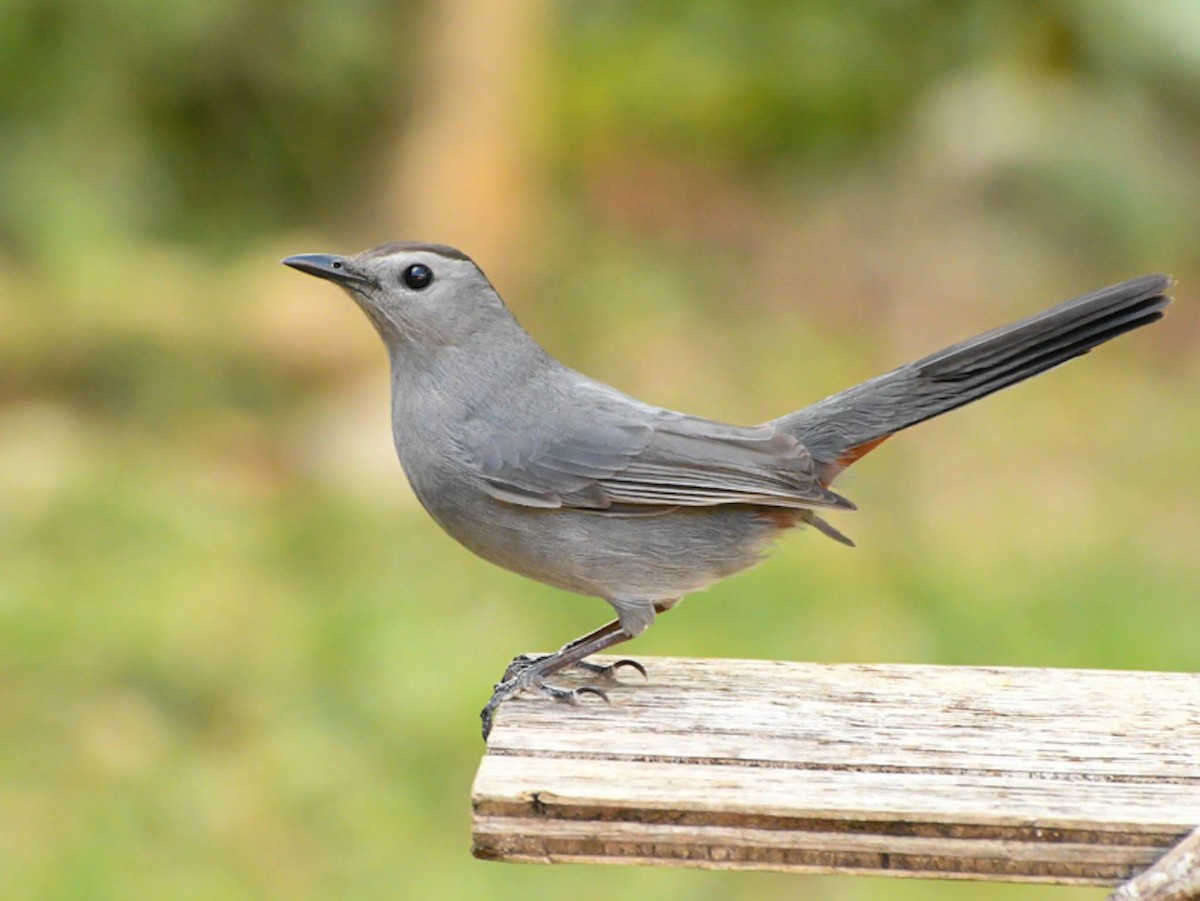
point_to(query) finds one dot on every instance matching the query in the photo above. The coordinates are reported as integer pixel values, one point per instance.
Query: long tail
(843, 427)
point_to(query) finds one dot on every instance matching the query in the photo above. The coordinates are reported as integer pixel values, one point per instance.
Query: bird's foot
(530, 671)
(605, 671)
(526, 678)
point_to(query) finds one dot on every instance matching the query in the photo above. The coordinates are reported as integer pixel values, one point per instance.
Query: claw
(501, 692)
(604, 671)
(571, 695)
(590, 690)
(632, 664)
(506, 689)
(609, 671)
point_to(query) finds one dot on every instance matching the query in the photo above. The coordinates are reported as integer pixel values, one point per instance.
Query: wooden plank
(1069, 776)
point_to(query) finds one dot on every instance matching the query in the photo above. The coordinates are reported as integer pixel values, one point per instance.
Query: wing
(626, 459)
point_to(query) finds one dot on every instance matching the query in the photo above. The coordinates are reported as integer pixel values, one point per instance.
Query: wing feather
(625, 459)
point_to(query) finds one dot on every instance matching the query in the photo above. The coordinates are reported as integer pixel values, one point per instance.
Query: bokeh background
(237, 660)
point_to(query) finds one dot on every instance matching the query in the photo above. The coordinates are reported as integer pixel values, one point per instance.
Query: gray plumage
(974, 368)
(553, 475)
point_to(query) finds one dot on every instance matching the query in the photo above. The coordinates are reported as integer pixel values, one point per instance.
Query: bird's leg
(605, 671)
(531, 673)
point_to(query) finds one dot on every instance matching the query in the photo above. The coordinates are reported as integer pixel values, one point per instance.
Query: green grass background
(238, 661)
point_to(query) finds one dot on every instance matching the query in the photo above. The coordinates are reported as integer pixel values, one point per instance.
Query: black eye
(418, 276)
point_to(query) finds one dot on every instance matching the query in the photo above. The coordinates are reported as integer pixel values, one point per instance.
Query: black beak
(329, 266)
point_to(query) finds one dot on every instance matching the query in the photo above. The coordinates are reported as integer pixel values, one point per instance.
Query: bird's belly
(644, 558)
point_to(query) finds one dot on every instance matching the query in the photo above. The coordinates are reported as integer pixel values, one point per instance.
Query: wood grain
(1069, 776)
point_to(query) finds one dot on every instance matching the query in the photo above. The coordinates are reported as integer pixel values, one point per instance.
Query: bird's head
(426, 294)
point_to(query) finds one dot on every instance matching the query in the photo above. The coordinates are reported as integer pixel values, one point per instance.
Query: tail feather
(843, 427)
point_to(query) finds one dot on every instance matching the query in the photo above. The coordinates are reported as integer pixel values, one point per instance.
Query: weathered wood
(1176, 877)
(1062, 776)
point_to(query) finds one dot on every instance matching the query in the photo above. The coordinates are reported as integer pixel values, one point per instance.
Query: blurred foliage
(1055, 101)
(217, 121)
(770, 83)
(760, 84)
(237, 661)
(210, 121)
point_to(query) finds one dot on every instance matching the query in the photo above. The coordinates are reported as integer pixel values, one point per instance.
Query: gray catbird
(548, 473)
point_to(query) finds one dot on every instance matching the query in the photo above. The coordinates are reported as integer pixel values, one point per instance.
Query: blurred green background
(237, 660)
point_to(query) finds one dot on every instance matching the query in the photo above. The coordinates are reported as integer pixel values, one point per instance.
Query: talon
(632, 664)
(590, 690)
(501, 692)
(487, 716)
(608, 672)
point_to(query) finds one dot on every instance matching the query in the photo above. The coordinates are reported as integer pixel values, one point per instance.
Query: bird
(556, 476)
